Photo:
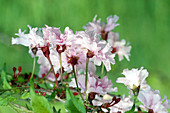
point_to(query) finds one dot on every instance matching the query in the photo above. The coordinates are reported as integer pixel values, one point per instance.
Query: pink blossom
(98, 27)
(104, 55)
(45, 65)
(152, 101)
(94, 84)
(100, 49)
(118, 46)
(52, 35)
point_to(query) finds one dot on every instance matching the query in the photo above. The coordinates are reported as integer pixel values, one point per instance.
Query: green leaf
(9, 77)
(7, 100)
(3, 78)
(54, 110)
(45, 85)
(52, 96)
(25, 95)
(59, 106)
(20, 110)
(73, 104)
(40, 104)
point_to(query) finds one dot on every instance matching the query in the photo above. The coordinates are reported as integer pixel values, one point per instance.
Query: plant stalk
(56, 82)
(87, 62)
(77, 83)
(33, 69)
(102, 71)
(61, 69)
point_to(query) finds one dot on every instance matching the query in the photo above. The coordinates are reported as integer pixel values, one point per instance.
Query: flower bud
(113, 50)
(19, 69)
(73, 60)
(61, 48)
(45, 51)
(90, 54)
(34, 50)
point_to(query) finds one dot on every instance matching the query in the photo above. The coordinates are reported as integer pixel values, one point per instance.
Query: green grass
(144, 23)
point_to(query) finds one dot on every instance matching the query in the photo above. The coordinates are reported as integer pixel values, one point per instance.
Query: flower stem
(77, 83)
(33, 69)
(61, 69)
(102, 71)
(53, 71)
(87, 62)
(45, 75)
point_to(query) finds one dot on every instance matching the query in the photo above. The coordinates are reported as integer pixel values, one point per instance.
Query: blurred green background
(143, 23)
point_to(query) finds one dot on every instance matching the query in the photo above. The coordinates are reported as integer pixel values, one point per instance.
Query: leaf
(40, 104)
(20, 110)
(73, 104)
(7, 100)
(59, 106)
(45, 85)
(25, 95)
(54, 110)
(52, 96)
(5, 83)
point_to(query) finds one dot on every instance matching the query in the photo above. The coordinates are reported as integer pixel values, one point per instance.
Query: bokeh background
(143, 23)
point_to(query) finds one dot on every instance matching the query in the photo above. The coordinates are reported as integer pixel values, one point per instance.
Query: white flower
(31, 40)
(133, 77)
(124, 105)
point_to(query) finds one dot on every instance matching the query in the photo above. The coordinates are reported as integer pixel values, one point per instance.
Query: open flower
(152, 101)
(101, 28)
(104, 55)
(118, 46)
(133, 78)
(31, 40)
(94, 84)
(99, 49)
(124, 105)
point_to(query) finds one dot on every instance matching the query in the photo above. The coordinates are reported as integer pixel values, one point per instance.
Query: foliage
(73, 104)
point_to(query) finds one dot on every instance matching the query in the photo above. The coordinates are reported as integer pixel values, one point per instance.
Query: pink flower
(100, 50)
(45, 65)
(152, 101)
(133, 78)
(104, 55)
(97, 26)
(101, 28)
(94, 84)
(118, 46)
(52, 35)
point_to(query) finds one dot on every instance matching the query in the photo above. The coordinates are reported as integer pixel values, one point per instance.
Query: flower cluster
(77, 54)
